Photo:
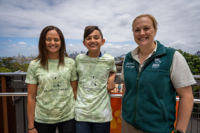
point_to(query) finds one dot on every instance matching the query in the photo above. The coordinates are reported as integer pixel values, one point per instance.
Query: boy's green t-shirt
(55, 98)
(93, 99)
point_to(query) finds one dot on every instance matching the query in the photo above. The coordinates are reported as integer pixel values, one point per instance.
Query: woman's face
(143, 31)
(53, 42)
(94, 41)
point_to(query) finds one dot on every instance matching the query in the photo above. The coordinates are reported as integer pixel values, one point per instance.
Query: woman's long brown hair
(43, 53)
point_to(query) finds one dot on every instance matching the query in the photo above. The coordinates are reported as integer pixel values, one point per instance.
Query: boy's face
(94, 41)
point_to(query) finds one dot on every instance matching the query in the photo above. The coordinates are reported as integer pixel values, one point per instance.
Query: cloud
(184, 46)
(178, 20)
(117, 49)
(10, 48)
(22, 44)
(111, 48)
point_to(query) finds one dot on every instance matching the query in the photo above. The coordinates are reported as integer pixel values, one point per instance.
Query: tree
(3, 69)
(193, 62)
(11, 65)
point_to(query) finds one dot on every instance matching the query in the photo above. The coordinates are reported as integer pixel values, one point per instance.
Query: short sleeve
(73, 72)
(31, 77)
(113, 67)
(181, 76)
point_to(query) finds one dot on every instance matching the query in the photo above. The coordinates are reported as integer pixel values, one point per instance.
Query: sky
(21, 22)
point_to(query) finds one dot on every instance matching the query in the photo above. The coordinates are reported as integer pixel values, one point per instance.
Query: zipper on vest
(137, 82)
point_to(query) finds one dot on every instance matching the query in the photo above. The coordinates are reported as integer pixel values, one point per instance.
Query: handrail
(195, 100)
(112, 95)
(14, 94)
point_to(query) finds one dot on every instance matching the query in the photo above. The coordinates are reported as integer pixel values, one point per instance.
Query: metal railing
(14, 94)
(197, 101)
(193, 127)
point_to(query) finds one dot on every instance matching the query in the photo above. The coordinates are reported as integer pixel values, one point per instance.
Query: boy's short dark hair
(89, 29)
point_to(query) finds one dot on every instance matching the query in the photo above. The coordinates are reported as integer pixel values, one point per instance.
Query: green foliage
(3, 69)
(10, 64)
(193, 62)
(24, 67)
(196, 88)
(21, 63)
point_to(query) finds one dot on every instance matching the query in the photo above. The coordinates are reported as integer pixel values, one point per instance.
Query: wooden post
(4, 103)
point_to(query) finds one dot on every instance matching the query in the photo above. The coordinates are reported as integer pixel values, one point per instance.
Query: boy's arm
(111, 81)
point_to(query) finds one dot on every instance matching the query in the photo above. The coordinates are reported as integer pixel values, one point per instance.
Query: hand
(110, 86)
(111, 82)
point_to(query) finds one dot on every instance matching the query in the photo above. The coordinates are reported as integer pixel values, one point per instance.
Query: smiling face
(94, 41)
(144, 31)
(53, 43)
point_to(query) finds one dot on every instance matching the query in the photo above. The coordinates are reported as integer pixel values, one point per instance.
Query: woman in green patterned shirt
(51, 79)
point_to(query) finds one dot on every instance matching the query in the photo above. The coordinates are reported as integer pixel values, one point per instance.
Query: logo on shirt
(130, 65)
(156, 63)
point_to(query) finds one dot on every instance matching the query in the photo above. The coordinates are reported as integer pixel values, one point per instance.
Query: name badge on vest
(156, 63)
(130, 65)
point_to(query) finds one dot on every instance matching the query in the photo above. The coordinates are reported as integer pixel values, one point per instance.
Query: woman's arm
(31, 100)
(74, 85)
(111, 82)
(184, 108)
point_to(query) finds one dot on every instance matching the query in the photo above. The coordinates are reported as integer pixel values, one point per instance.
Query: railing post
(4, 103)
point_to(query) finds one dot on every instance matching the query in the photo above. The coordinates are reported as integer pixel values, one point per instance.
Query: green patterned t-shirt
(93, 99)
(55, 98)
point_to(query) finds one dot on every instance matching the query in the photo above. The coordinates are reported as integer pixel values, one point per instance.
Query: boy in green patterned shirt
(96, 73)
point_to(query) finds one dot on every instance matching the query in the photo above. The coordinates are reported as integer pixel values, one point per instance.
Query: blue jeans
(63, 127)
(91, 127)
